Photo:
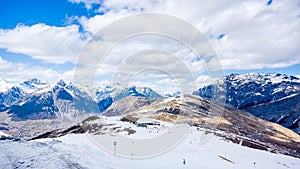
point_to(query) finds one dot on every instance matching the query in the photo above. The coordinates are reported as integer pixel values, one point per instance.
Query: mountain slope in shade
(11, 95)
(246, 91)
(285, 112)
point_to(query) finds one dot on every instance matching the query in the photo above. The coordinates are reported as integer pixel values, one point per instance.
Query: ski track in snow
(78, 151)
(23, 154)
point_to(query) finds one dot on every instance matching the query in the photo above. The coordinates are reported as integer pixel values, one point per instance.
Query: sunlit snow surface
(78, 151)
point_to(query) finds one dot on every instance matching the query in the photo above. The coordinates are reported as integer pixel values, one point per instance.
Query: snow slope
(78, 151)
(3, 134)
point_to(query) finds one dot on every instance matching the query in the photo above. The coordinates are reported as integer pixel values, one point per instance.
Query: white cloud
(259, 36)
(47, 43)
(140, 53)
(256, 35)
(18, 72)
(94, 24)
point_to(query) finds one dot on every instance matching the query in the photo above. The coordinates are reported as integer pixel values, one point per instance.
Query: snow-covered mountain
(34, 99)
(117, 92)
(11, 93)
(54, 101)
(32, 85)
(247, 91)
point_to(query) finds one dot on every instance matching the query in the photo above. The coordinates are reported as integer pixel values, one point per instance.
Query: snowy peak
(32, 85)
(118, 92)
(55, 101)
(263, 79)
(61, 83)
(143, 92)
(4, 86)
(264, 76)
(245, 91)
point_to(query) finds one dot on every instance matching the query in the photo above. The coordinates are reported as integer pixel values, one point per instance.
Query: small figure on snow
(183, 161)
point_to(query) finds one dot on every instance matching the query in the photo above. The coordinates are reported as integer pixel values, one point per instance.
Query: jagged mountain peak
(117, 92)
(33, 80)
(262, 78)
(62, 83)
(33, 84)
(245, 90)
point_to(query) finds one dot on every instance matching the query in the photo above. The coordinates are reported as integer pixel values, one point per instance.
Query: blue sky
(50, 12)
(44, 38)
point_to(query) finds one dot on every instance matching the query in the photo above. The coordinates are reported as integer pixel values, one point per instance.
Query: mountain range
(272, 97)
(33, 99)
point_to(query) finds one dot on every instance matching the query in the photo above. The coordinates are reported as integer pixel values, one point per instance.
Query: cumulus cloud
(97, 22)
(18, 72)
(259, 36)
(47, 43)
(141, 54)
(255, 34)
